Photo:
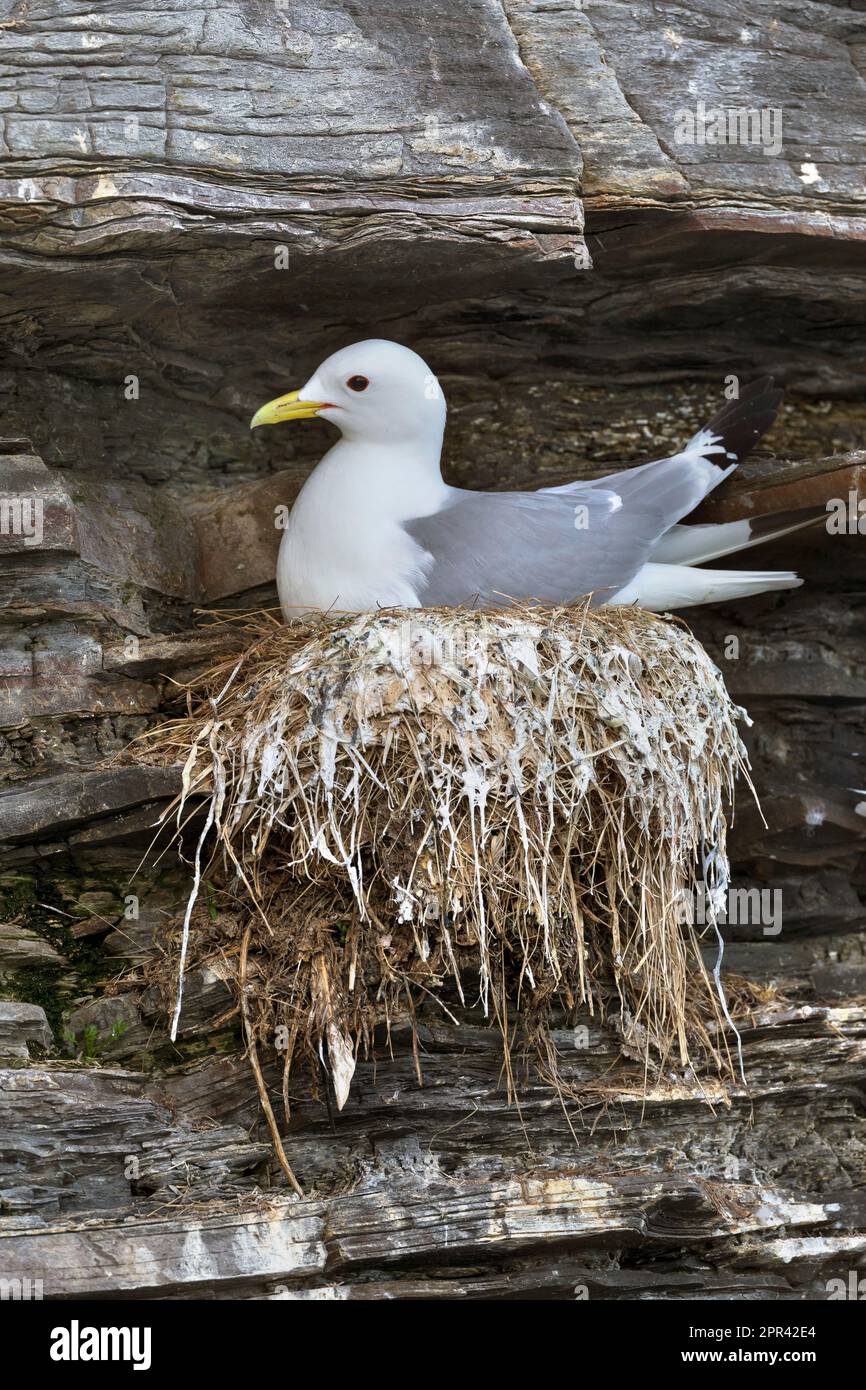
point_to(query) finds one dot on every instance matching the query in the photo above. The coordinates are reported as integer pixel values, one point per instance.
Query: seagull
(376, 526)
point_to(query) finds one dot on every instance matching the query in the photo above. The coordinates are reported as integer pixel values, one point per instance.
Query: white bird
(376, 526)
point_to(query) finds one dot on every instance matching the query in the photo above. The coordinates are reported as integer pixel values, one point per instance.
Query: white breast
(344, 547)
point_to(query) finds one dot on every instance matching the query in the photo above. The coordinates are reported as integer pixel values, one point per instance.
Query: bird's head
(376, 391)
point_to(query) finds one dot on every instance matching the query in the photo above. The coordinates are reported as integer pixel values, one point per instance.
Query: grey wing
(487, 547)
(703, 459)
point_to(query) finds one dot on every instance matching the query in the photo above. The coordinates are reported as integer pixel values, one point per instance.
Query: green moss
(41, 985)
(44, 901)
(47, 901)
(17, 894)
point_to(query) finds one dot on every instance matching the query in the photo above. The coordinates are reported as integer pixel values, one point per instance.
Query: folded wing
(557, 546)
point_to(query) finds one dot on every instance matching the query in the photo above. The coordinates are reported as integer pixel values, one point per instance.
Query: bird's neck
(397, 480)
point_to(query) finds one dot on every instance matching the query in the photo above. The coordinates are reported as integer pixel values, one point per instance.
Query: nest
(509, 809)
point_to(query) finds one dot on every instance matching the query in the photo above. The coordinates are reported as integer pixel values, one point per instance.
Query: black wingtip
(742, 422)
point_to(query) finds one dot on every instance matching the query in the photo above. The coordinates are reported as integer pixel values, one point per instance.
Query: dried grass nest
(399, 803)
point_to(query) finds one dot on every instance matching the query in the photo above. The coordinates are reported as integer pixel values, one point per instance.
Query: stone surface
(21, 949)
(56, 805)
(20, 1025)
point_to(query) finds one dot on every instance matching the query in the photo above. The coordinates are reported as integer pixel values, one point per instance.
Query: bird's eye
(358, 383)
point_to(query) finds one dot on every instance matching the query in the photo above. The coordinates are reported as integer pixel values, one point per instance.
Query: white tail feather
(695, 545)
(661, 588)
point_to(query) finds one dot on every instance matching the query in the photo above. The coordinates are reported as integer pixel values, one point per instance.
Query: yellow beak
(286, 407)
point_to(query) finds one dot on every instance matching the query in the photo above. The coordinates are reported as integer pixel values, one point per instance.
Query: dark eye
(358, 383)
